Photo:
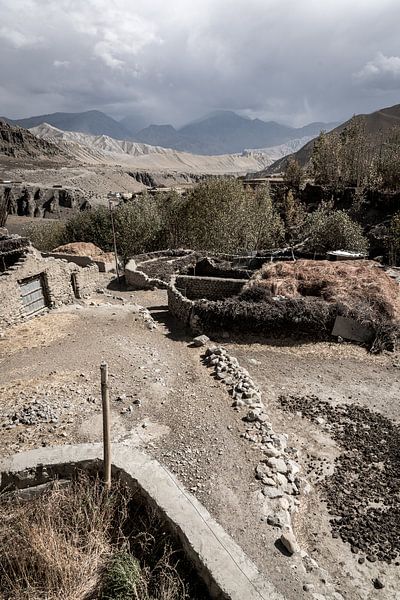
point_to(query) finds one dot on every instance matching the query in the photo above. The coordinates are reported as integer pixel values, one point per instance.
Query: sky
(173, 61)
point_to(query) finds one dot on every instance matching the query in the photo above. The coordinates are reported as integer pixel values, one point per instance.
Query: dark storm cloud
(277, 59)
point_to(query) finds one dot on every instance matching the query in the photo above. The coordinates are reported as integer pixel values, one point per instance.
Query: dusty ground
(181, 415)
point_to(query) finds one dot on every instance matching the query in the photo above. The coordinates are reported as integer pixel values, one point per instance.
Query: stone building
(31, 284)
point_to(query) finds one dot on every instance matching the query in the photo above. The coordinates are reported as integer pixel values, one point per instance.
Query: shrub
(123, 579)
(329, 230)
(45, 236)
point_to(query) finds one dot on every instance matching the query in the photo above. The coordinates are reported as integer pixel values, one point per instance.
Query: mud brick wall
(212, 288)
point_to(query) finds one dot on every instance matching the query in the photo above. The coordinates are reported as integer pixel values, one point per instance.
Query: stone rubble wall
(57, 283)
(279, 473)
(178, 305)
(212, 288)
(138, 280)
(87, 280)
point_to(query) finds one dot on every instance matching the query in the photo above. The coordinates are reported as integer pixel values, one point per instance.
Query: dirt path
(166, 400)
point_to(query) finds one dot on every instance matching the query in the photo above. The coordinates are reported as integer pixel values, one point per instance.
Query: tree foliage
(393, 241)
(353, 158)
(293, 175)
(294, 215)
(45, 236)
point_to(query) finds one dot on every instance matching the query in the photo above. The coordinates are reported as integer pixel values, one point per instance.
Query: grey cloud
(275, 59)
(381, 73)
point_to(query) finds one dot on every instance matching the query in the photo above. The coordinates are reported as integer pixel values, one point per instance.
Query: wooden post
(106, 424)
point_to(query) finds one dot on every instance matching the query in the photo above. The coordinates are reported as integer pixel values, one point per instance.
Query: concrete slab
(349, 329)
(220, 562)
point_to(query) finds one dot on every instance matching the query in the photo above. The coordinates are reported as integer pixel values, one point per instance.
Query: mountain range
(375, 124)
(221, 132)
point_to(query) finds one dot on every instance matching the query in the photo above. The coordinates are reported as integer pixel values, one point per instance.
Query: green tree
(325, 159)
(91, 226)
(393, 241)
(137, 226)
(294, 216)
(293, 175)
(213, 216)
(45, 235)
(388, 162)
(264, 228)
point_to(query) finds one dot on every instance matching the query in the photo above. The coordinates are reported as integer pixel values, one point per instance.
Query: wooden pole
(114, 242)
(105, 399)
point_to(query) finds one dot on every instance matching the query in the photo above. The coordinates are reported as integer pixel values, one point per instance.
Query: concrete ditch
(223, 566)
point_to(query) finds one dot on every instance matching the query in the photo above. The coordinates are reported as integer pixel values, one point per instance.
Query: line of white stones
(278, 472)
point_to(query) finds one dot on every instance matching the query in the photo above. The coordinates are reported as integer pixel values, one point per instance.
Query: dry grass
(55, 545)
(354, 284)
(80, 542)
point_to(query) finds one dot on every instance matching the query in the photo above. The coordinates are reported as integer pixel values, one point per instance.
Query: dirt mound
(352, 283)
(85, 249)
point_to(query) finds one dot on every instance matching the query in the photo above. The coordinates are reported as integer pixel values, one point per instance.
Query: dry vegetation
(80, 542)
(305, 297)
(351, 283)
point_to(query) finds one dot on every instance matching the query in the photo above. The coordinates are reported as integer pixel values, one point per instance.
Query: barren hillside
(20, 143)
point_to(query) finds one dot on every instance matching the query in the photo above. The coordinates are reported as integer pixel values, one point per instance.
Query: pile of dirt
(351, 283)
(85, 249)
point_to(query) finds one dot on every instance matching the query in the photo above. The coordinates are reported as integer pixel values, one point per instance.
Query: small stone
(289, 541)
(200, 340)
(272, 492)
(278, 464)
(308, 587)
(378, 584)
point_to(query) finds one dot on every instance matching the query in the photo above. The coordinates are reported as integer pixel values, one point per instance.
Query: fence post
(105, 399)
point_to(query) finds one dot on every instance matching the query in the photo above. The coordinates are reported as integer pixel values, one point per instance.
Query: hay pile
(357, 285)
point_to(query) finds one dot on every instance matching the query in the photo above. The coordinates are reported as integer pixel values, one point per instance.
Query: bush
(329, 230)
(45, 236)
(123, 579)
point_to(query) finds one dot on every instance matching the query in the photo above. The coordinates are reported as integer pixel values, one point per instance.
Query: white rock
(278, 464)
(289, 541)
(272, 492)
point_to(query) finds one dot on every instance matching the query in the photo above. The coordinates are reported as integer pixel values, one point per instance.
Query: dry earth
(164, 399)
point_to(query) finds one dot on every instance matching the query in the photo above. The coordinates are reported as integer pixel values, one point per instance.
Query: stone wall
(178, 305)
(57, 283)
(87, 280)
(137, 280)
(212, 288)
